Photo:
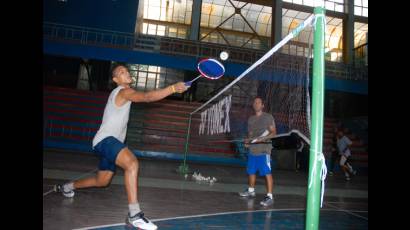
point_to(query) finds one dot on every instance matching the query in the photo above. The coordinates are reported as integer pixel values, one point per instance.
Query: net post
(314, 183)
(183, 168)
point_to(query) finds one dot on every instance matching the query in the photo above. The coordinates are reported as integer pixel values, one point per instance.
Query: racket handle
(263, 135)
(189, 83)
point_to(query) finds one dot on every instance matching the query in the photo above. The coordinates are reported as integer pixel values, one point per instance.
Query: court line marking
(223, 213)
(348, 211)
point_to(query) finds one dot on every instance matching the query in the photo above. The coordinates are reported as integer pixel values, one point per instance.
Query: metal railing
(177, 46)
(87, 35)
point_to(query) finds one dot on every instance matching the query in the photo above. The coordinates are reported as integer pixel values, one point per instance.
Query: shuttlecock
(224, 55)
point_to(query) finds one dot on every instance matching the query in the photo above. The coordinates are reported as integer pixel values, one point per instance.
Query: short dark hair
(115, 67)
(259, 97)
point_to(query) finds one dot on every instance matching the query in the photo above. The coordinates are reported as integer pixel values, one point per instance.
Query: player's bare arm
(130, 94)
(248, 140)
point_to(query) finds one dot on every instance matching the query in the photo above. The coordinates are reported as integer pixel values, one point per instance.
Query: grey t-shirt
(257, 125)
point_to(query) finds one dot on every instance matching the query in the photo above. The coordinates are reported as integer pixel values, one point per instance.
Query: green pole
(183, 169)
(313, 194)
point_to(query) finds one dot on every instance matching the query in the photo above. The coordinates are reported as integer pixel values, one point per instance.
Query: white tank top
(115, 119)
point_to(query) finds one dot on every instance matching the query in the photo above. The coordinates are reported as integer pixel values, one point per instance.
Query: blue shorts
(108, 150)
(258, 163)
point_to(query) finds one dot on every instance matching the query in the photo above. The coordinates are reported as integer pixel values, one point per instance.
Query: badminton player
(108, 143)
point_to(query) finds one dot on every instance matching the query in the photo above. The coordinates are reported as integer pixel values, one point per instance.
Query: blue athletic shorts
(259, 163)
(108, 150)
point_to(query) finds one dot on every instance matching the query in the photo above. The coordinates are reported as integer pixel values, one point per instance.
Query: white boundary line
(347, 211)
(226, 213)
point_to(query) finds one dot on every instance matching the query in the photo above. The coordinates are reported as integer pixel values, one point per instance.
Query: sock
(134, 209)
(251, 189)
(346, 174)
(350, 168)
(68, 187)
(270, 195)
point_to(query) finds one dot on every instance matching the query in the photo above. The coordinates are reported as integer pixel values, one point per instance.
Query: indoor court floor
(174, 202)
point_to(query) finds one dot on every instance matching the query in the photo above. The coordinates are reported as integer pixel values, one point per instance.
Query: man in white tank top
(108, 143)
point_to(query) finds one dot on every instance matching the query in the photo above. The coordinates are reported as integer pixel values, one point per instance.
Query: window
(333, 37)
(333, 5)
(361, 8)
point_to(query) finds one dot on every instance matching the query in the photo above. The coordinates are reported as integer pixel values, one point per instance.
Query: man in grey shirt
(261, 128)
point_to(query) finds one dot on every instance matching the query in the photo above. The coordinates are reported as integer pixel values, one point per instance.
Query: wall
(116, 15)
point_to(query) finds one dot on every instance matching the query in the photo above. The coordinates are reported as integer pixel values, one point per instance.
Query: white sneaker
(60, 188)
(139, 221)
(246, 193)
(266, 201)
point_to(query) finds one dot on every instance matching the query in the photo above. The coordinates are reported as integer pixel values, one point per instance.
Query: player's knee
(103, 182)
(132, 165)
